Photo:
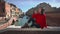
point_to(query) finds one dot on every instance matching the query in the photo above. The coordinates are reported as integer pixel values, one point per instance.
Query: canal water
(22, 21)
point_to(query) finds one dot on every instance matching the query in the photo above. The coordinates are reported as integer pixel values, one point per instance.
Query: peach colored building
(18, 12)
(12, 10)
(4, 9)
(7, 9)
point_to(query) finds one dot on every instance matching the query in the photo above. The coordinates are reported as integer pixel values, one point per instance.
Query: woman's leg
(37, 26)
(33, 22)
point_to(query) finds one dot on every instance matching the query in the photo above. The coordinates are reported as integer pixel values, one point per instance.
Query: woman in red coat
(33, 20)
(40, 18)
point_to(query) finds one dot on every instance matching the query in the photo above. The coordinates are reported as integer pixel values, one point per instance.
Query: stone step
(49, 30)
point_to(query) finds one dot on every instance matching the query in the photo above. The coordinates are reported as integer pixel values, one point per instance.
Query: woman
(33, 20)
(40, 18)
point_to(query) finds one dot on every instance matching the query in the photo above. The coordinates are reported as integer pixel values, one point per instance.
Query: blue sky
(27, 4)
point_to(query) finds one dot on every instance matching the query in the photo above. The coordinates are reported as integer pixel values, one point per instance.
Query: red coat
(40, 19)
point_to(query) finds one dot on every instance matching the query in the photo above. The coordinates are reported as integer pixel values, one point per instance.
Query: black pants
(33, 23)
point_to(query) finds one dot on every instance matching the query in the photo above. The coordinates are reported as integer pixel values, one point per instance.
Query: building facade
(8, 10)
(2, 10)
(13, 10)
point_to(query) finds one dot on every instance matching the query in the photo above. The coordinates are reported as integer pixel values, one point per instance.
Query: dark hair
(34, 11)
(42, 10)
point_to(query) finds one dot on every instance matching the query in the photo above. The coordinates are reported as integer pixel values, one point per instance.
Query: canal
(22, 21)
